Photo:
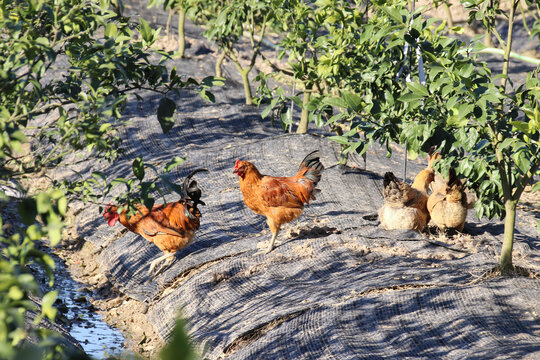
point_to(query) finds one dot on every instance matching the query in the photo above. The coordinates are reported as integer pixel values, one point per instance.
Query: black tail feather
(191, 191)
(389, 177)
(453, 179)
(314, 165)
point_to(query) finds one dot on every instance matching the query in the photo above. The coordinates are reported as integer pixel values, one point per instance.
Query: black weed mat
(337, 286)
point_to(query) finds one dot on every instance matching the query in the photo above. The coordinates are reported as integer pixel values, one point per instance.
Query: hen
(279, 199)
(441, 182)
(432, 157)
(447, 205)
(169, 226)
(405, 205)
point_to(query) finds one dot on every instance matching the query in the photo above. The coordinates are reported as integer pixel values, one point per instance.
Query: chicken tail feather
(191, 191)
(453, 179)
(389, 178)
(314, 167)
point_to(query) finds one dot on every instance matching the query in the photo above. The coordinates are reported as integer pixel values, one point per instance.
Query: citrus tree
(228, 26)
(394, 76)
(67, 70)
(489, 133)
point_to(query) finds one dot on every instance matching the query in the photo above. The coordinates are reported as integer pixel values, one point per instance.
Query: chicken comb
(236, 163)
(107, 208)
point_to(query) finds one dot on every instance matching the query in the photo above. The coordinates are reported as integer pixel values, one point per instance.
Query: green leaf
(165, 114)
(521, 126)
(62, 205)
(418, 89)
(15, 293)
(174, 162)
(213, 81)
(340, 139)
(179, 346)
(54, 232)
(138, 168)
(146, 31)
(43, 203)
(455, 120)
(410, 97)
(353, 100)
(172, 186)
(337, 102)
(47, 303)
(149, 203)
(111, 30)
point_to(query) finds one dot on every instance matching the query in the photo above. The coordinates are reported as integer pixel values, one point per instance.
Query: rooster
(405, 205)
(169, 226)
(279, 199)
(447, 205)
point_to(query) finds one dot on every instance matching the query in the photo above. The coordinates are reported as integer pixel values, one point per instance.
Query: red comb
(236, 163)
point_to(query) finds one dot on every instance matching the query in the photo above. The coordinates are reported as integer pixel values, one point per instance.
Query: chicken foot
(270, 246)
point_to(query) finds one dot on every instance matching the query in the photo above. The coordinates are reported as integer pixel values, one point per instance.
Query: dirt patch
(119, 311)
(497, 272)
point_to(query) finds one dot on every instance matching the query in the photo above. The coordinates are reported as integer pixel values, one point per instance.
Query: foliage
(227, 27)
(179, 348)
(360, 66)
(67, 70)
(317, 43)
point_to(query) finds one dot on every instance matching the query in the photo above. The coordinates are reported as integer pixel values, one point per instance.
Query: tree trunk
(508, 242)
(247, 88)
(508, 42)
(488, 41)
(304, 117)
(168, 26)
(181, 35)
(448, 15)
(219, 62)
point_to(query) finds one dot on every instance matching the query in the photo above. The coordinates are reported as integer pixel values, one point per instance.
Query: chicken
(279, 199)
(438, 181)
(447, 205)
(442, 182)
(169, 226)
(405, 205)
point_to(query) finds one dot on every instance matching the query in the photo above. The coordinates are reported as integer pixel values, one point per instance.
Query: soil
(118, 310)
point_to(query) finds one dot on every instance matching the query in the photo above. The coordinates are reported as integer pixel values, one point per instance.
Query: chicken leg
(275, 230)
(167, 258)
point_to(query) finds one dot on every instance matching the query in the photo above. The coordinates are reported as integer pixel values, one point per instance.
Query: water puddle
(98, 339)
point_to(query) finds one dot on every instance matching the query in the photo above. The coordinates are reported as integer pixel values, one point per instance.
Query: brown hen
(447, 205)
(405, 205)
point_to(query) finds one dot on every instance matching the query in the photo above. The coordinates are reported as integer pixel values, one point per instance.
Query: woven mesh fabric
(337, 286)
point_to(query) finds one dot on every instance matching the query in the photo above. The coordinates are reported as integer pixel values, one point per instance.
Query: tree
(361, 65)
(513, 135)
(227, 27)
(68, 68)
(490, 135)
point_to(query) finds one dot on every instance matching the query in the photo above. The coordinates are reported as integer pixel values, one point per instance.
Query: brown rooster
(279, 199)
(169, 226)
(447, 205)
(405, 205)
